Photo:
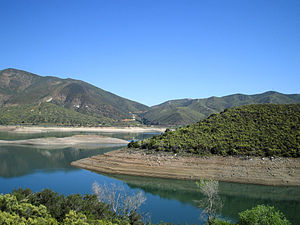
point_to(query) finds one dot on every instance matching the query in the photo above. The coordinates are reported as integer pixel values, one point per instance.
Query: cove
(167, 200)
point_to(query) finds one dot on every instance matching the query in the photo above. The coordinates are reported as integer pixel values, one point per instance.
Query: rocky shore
(254, 170)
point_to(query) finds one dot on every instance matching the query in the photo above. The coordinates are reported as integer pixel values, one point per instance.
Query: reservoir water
(167, 200)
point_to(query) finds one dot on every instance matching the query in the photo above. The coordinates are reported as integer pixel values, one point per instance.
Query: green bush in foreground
(48, 207)
(262, 215)
(17, 210)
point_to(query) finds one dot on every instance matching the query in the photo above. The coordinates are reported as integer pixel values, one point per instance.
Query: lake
(167, 200)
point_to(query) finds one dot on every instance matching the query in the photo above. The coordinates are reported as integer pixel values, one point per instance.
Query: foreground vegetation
(252, 130)
(212, 203)
(47, 207)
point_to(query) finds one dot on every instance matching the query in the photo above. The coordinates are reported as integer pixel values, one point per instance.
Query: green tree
(262, 215)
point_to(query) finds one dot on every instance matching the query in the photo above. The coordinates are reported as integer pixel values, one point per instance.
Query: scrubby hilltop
(188, 111)
(19, 87)
(257, 130)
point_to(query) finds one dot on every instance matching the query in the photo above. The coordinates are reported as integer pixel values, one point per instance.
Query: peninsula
(256, 144)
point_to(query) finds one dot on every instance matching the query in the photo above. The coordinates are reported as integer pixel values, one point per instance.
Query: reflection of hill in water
(22, 160)
(236, 197)
(24, 136)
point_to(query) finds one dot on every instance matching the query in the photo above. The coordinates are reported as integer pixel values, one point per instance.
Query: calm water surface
(167, 200)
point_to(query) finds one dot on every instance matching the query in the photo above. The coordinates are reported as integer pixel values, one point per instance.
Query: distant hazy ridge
(188, 111)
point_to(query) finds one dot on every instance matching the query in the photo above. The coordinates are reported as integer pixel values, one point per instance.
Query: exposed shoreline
(37, 129)
(76, 140)
(264, 171)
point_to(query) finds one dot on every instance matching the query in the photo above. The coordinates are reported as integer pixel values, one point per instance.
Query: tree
(211, 202)
(118, 199)
(262, 215)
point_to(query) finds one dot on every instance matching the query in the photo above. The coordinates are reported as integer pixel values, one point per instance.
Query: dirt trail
(276, 171)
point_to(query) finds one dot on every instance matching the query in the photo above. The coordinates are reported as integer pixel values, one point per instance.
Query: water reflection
(21, 160)
(18, 160)
(167, 200)
(23, 136)
(236, 197)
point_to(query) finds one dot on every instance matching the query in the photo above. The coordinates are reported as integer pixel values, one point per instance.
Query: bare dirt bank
(277, 171)
(67, 141)
(24, 129)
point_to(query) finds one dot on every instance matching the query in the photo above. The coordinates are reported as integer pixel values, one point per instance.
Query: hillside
(256, 130)
(188, 111)
(19, 87)
(48, 113)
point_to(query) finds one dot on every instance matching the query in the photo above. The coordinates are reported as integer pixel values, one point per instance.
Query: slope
(259, 130)
(19, 87)
(48, 113)
(188, 111)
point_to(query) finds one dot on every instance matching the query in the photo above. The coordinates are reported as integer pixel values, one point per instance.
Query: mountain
(46, 113)
(188, 111)
(258, 130)
(19, 87)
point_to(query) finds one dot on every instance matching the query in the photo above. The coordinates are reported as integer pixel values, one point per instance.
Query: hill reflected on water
(22, 160)
(235, 197)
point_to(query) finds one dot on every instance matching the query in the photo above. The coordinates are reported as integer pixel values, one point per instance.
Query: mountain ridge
(193, 110)
(19, 87)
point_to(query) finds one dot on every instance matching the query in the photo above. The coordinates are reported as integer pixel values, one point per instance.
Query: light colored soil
(21, 129)
(67, 141)
(276, 171)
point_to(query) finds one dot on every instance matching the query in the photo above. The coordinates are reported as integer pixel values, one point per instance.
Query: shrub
(262, 215)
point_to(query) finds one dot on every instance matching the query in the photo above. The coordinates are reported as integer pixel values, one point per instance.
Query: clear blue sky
(151, 51)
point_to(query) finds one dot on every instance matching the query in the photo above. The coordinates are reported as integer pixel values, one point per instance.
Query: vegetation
(251, 130)
(189, 111)
(51, 114)
(211, 202)
(47, 113)
(48, 207)
(118, 199)
(263, 215)
(259, 215)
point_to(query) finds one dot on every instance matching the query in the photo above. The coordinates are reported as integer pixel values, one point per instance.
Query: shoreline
(75, 140)
(255, 170)
(38, 129)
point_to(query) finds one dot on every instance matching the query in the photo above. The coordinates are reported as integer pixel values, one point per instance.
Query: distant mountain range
(21, 88)
(188, 111)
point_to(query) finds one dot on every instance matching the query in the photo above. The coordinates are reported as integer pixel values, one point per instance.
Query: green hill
(19, 87)
(188, 111)
(48, 113)
(258, 130)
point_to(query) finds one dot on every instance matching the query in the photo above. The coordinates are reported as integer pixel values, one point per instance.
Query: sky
(152, 51)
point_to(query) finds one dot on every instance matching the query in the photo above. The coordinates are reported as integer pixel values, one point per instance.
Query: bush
(262, 215)
(219, 222)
